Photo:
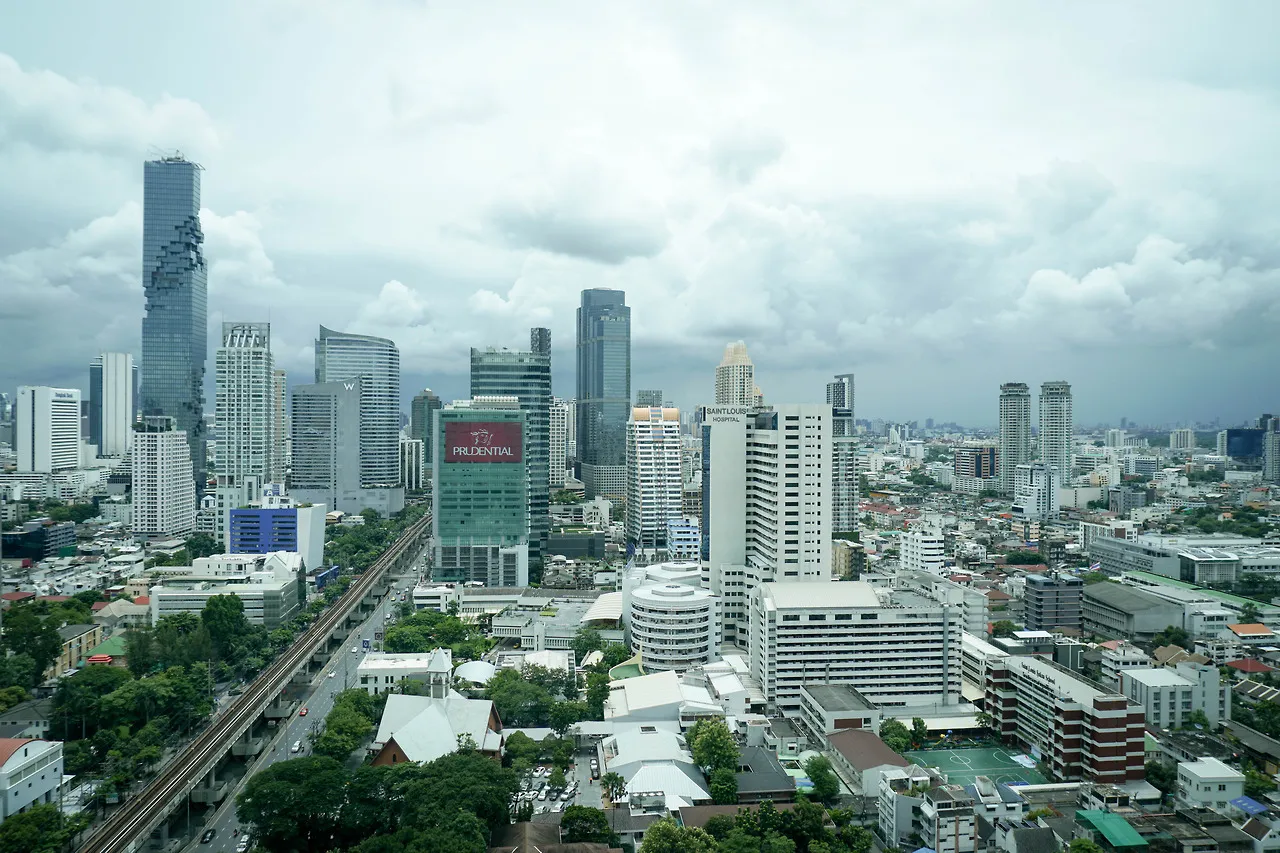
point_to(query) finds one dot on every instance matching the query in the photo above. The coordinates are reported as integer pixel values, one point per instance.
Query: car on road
(297, 746)
(355, 650)
(333, 675)
(243, 846)
(303, 712)
(208, 836)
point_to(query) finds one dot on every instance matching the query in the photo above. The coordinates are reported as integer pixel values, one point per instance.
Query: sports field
(962, 765)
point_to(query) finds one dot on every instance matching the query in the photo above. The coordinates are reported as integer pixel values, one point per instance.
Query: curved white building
(674, 626)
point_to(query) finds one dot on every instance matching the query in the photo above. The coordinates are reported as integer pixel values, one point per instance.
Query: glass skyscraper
(175, 282)
(604, 390)
(421, 414)
(527, 377)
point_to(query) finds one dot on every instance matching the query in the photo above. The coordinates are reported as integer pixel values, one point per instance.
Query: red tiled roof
(1249, 665)
(142, 599)
(1251, 629)
(1111, 644)
(998, 595)
(10, 745)
(17, 596)
(55, 598)
(99, 659)
(98, 605)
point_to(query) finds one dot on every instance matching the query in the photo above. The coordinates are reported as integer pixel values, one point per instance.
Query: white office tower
(325, 429)
(840, 396)
(342, 357)
(655, 487)
(671, 622)
(1015, 431)
(558, 449)
(1056, 427)
(893, 646)
(1117, 438)
(164, 491)
(571, 430)
(766, 502)
(245, 417)
(1035, 495)
(279, 427)
(924, 551)
(1182, 439)
(736, 377)
(47, 429)
(412, 464)
(112, 407)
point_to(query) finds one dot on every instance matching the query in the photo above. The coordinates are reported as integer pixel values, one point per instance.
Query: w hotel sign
(467, 441)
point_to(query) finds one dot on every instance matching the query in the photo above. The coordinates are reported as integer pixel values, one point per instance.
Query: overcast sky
(938, 196)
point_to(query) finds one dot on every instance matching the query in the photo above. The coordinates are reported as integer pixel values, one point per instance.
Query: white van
(297, 746)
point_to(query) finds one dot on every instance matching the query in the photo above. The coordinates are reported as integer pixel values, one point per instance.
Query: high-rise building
(604, 391)
(412, 464)
(844, 482)
(650, 398)
(974, 469)
(924, 550)
(557, 442)
(1182, 439)
(1056, 428)
(480, 493)
(47, 429)
(164, 494)
(1052, 601)
(1015, 431)
(112, 407)
(279, 426)
(766, 502)
(735, 377)
(422, 410)
(175, 341)
(655, 486)
(6, 408)
(342, 357)
(325, 429)
(571, 431)
(527, 377)
(245, 415)
(1271, 451)
(1035, 493)
(840, 396)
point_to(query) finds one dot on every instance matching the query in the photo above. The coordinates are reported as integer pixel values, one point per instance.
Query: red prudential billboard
(469, 441)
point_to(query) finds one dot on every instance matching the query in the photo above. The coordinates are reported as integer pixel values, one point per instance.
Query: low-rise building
(266, 584)
(382, 672)
(1124, 612)
(30, 773)
(1052, 601)
(423, 728)
(829, 708)
(901, 796)
(1118, 656)
(947, 820)
(864, 758)
(77, 640)
(1170, 695)
(1208, 783)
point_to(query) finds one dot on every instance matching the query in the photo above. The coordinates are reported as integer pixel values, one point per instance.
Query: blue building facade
(175, 281)
(261, 531)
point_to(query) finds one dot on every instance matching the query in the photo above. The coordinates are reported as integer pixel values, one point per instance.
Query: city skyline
(942, 241)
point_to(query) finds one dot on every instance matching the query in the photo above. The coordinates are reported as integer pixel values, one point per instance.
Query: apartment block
(1170, 695)
(1052, 602)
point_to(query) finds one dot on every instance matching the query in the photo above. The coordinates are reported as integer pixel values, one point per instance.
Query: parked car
(542, 795)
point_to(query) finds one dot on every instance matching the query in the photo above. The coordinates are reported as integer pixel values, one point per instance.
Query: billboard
(472, 441)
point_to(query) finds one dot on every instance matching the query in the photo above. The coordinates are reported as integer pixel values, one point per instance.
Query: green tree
(518, 701)
(223, 617)
(1023, 558)
(713, 745)
(556, 779)
(1003, 628)
(597, 693)
(292, 806)
(1162, 776)
(521, 751)
(140, 651)
(10, 696)
(1172, 635)
(460, 781)
(40, 829)
(919, 732)
(1257, 784)
(20, 670)
(613, 786)
(583, 824)
(1094, 577)
(614, 654)
(1083, 845)
(719, 826)
(585, 641)
(895, 735)
(984, 720)
(724, 786)
(665, 836)
(27, 633)
(201, 545)
(564, 714)
(826, 784)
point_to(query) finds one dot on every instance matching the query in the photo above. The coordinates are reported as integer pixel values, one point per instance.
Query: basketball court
(962, 766)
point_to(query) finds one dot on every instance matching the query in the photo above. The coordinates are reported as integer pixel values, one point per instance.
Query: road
(317, 698)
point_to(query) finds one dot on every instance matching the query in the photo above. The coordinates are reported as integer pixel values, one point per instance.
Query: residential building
(649, 399)
(766, 512)
(375, 362)
(1123, 499)
(245, 416)
(975, 469)
(684, 539)
(77, 640)
(267, 585)
(422, 411)
(1208, 783)
(948, 823)
(1052, 602)
(1015, 432)
(844, 478)
(279, 426)
(1170, 695)
(1035, 495)
(480, 493)
(325, 426)
(39, 539)
(1117, 657)
(412, 465)
(557, 442)
(899, 806)
(280, 526)
(735, 377)
(382, 672)
(47, 429)
(1080, 730)
(924, 551)
(113, 379)
(526, 376)
(1182, 439)
(164, 494)
(1056, 428)
(840, 396)
(175, 342)
(900, 650)
(604, 391)
(30, 774)
(655, 486)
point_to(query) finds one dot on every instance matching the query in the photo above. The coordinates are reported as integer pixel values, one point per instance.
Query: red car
(302, 713)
